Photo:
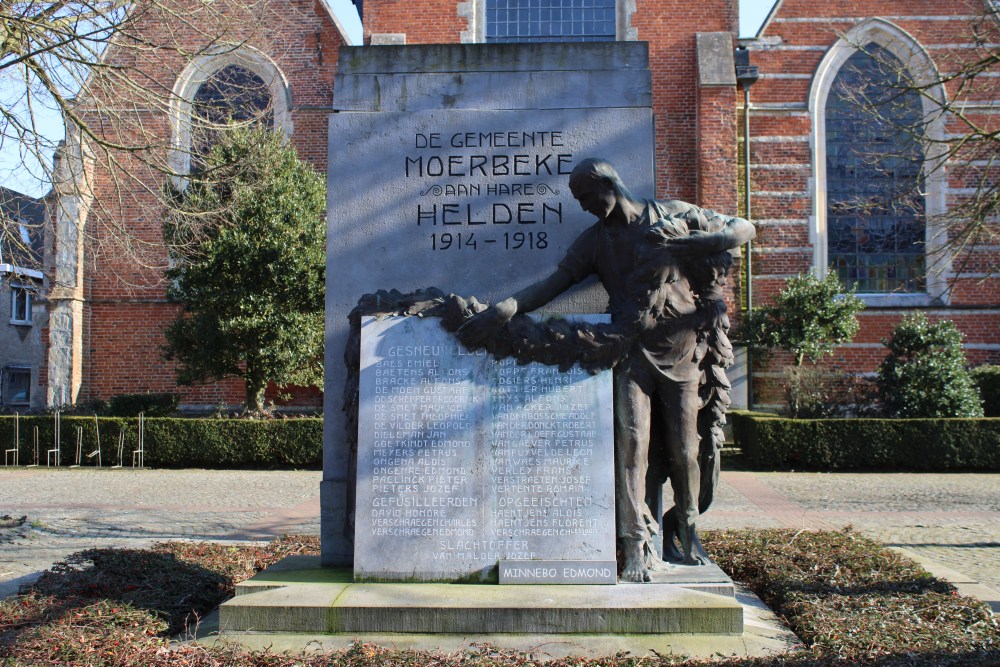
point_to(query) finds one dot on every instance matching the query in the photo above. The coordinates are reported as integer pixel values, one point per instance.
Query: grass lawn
(849, 600)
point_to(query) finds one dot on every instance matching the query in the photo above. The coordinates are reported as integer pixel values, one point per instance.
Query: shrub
(809, 318)
(988, 380)
(925, 374)
(177, 443)
(235, 443)
(819, 392)
(843, 444)
(152, 405)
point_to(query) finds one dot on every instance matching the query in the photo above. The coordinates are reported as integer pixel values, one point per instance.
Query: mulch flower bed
(849, 600)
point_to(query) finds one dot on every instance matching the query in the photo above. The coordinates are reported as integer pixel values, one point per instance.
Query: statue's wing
(714, 391)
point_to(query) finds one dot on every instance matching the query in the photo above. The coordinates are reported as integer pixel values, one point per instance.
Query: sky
(22, 174)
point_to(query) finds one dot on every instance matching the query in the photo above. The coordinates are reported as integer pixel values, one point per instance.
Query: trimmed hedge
(153, 405)
(178, 443)
(769, 441)
(987, 378)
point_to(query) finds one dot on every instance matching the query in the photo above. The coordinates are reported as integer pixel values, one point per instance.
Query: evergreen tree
(808, 318)
(925, 373)
(246, 239)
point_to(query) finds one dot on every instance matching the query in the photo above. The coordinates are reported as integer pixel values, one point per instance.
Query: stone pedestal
(298, 595)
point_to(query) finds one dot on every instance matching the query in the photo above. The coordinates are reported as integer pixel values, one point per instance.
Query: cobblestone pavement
(69, 510)
(950, 519)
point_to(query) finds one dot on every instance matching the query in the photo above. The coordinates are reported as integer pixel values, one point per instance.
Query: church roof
(22, 220)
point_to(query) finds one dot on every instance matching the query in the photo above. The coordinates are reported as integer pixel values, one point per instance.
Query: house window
(875, 207)
(18, 386)
(550, 21)
(20, 304)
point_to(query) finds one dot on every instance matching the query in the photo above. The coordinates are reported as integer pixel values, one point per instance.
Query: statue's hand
(485, 325)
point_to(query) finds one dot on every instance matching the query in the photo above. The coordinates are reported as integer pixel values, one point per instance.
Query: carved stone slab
(464, 461)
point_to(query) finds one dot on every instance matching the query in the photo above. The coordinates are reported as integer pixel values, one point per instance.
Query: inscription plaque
(558, 572)
(464, 461)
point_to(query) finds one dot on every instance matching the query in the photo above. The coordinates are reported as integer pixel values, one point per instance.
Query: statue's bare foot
(691, 559)
(638, 574)
(635, 566)
(691, 546)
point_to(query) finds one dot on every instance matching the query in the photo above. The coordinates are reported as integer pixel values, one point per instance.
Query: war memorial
(488, 471)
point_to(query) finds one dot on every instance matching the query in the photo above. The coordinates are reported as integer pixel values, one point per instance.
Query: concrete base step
(298, 596)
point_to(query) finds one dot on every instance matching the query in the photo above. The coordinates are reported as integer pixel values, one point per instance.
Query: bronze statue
(663, 265)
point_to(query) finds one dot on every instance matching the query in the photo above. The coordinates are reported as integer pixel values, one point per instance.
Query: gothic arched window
(550, 21)
(237, 84)
(233, 94)
(875, 208)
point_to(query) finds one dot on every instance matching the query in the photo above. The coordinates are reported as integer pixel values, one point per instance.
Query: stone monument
(493, 460)
(449, 167)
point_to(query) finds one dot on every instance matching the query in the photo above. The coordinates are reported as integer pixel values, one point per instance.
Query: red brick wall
(716, 159)
(791, 47)
(716, 149)
(125, 309)
(670, 28)
(695, 152)
(423, 21)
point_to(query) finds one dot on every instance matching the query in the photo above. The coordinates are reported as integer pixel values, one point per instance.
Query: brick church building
(106, 302)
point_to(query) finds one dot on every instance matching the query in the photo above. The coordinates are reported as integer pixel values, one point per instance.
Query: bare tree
(108, 69)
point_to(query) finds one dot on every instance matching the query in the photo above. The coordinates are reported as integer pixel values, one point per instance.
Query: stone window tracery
(550, 21)
(238, 85)
(875, 207)
(878, 194)
(232, 95)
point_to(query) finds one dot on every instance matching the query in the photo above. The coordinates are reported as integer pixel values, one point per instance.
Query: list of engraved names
(467, 461)
(540, 467)
(422, 476)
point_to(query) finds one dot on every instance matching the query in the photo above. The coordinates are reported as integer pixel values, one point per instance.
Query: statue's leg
(680, 409)
(631, 451)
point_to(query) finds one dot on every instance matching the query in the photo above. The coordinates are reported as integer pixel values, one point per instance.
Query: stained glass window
(233, 94)
(875, 209)
(550, 21)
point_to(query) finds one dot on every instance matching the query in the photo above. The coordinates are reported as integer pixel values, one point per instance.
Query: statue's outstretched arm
(483, 326)
(537, 295)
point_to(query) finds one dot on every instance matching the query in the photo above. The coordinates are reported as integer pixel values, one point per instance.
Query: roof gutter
(21, 272)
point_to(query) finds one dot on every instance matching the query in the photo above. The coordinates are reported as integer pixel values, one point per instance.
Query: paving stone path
(69, 510)
(950, 519)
